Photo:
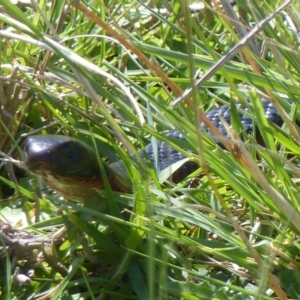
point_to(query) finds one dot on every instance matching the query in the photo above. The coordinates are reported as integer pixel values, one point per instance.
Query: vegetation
(109, 73)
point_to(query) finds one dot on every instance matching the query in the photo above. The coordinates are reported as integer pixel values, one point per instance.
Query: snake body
(71, 167)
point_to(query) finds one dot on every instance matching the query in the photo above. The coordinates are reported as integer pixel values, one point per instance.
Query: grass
(110, 76)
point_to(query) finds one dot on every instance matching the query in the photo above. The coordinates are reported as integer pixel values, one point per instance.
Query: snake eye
(69, 149)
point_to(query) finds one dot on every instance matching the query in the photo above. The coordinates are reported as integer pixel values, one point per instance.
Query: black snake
(71, 167)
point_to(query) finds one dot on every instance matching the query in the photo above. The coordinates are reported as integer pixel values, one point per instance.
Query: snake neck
(118, 177)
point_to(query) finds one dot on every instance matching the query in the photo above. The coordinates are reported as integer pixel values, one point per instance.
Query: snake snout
(36, 162)
(37, 155)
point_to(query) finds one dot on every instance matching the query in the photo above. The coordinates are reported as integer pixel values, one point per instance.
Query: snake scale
(71, 167)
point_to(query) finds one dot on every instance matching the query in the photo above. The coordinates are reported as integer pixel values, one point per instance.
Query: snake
(71, 167)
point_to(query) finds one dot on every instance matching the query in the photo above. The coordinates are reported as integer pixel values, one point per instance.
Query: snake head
(66, 165)
(60, 156)
(71, 167)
